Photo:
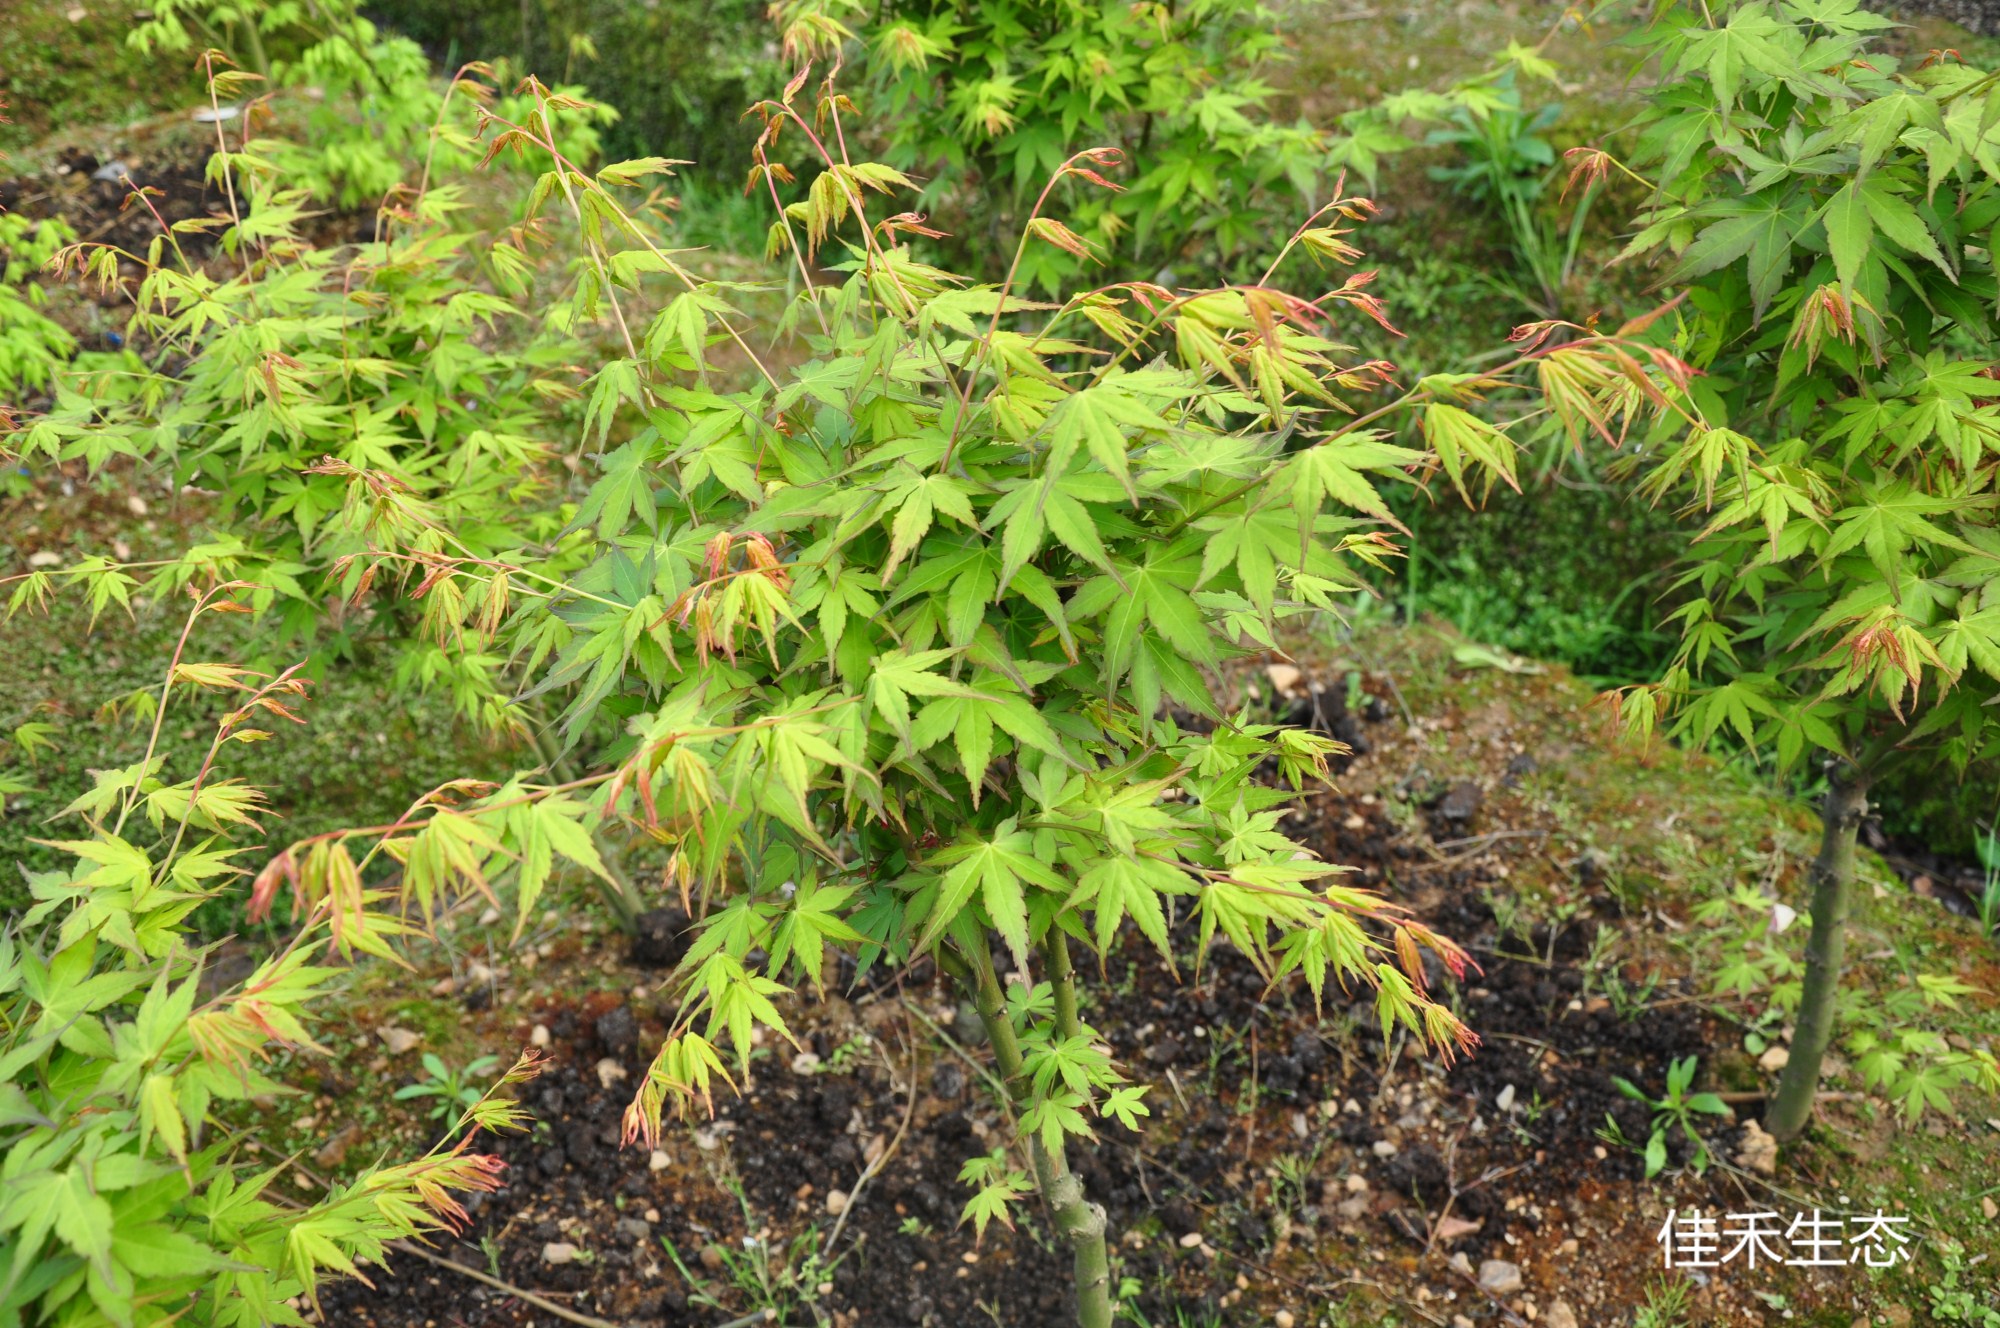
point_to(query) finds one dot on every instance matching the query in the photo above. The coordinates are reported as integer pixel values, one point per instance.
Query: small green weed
(1955, 1303)
(1678, 1108)
(1665, 1306)
(451, 1091)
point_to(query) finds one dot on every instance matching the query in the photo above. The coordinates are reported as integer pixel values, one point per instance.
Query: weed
(1952, 1302)
(1986, 843)
(778, 1279)
(1506, 163)
(450, 1091)
(1677, 1108)
(1665, 1305)
(1184, 1315)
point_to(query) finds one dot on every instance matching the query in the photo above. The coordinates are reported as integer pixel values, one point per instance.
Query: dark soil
(94, 193)
(1288, 1146)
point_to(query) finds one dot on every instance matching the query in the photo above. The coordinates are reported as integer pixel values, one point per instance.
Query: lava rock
(835, 1105)
(659, 938)
(1461, 804)
(618, 1030)
(1348, 730)
(1179, 1217)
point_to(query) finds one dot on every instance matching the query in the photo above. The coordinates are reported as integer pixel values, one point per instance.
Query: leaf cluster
(1840, 311)
(126, 1202)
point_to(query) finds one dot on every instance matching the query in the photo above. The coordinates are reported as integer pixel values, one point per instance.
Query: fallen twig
(540, 1303)
(1492, 837)
(992, 1080)
(869, 1172)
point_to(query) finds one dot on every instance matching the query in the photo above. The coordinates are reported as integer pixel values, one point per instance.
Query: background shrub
(681, 72)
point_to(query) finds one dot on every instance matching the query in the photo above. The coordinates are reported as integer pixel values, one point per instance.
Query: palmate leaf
(1119, 887)
(971, 719)
(999, 870)
(898, 676)
(813, 919)
(996, 1188)
(1097, 418)
(1460, 439)
(1336, 469)
(1752, 42)
(1889, 519)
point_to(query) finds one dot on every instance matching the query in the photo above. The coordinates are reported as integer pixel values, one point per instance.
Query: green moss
(60, 74)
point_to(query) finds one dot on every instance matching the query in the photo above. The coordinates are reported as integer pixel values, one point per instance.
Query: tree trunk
(1832, 879)
(1080, 1222)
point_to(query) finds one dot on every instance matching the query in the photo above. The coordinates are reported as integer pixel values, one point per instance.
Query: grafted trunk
(1832, 879)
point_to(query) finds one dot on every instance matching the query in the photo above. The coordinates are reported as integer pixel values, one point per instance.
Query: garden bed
(1294, 1162)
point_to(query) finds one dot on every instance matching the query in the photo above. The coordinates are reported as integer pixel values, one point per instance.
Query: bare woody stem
(1080, 1222)
(1832, 877)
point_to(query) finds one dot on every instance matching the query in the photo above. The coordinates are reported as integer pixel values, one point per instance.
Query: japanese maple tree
(916, 643)
(1831, 212)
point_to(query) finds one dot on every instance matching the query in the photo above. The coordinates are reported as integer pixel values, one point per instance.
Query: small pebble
(836, 1202)
(1192, 1239)
(398, 1040)
(558, 1252)
(1500, 1277)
